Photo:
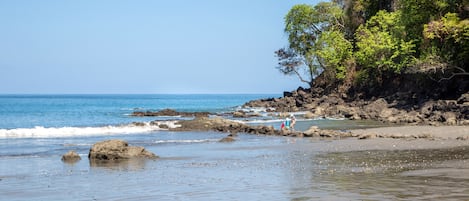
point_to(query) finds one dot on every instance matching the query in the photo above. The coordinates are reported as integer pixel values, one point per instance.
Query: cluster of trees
(362, 41)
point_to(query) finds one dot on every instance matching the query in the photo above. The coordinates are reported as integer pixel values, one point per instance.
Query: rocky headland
(398, 108)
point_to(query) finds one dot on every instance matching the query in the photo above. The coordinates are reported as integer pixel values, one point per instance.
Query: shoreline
(408, 132)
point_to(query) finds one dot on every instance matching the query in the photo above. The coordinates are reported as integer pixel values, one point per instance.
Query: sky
(143, 46)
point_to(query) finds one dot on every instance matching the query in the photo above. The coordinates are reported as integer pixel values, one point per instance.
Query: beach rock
(463, 99)
(367, 136)
(242, 114)
(308, 115)
(163, 126)
(463, 138)
(169, 112)
(71, 157)
(227, 139)
(140, 124)
(319, 111)
(116, 150)
(239, 114)
(313, 131)
(449, 118)
(223, 125)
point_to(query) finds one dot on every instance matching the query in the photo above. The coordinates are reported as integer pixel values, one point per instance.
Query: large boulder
(116, 150)
(71, 157)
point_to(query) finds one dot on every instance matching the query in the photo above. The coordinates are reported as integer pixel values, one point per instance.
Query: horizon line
(249, 93)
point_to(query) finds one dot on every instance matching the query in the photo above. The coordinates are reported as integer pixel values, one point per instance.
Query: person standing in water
(289, 123)
(293, 122)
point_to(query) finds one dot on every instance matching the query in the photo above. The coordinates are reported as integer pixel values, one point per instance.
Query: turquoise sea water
(29, 111)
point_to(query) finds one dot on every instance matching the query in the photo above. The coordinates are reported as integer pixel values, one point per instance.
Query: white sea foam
(42, 132)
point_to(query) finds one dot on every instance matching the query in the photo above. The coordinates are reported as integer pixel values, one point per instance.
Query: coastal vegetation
(364, 48)
(396, 61)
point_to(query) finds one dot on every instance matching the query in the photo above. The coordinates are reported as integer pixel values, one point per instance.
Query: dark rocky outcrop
(169, 112)
(223, 125)
(117, 150)
(71, 157)
(399, 108)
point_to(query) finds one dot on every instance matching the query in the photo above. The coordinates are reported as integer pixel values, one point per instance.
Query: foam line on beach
(42, 132)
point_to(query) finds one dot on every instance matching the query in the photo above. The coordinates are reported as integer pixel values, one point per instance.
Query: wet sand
(438, 132)
(194, 166)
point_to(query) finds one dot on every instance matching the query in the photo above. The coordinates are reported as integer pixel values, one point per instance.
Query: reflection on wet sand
(402, 174)
(134, 164)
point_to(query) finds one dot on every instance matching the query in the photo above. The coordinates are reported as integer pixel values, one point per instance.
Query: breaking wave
(42, 132)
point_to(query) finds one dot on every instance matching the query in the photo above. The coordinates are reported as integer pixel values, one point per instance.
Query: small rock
(308, 115)
(239, 114)
(71, 157)
(227, 139)
(450, 118)
(163, 126)
(138, 124)
(367, 136)
(463, 138)
(425, 136)
(312, 131)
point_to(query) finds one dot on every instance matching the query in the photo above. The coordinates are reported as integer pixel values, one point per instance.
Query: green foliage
(312, 33)
(450, 37)
(371, 40)
(381, 45)
(448, 27)
(417, 13)
(301, 29)
(334, 50)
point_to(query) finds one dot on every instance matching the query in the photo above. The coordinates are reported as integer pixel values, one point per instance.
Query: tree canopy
(364, 40)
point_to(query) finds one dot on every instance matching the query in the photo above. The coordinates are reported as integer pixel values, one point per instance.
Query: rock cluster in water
(169, 112)
(229, 126)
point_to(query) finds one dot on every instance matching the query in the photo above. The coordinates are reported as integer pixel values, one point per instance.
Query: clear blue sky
(124, 46)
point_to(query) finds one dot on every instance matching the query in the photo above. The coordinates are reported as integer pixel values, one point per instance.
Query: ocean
(29, 111)
(36, 130)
